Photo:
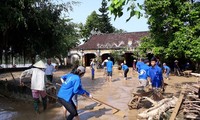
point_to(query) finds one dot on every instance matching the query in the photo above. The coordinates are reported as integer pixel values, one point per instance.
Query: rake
(117, 112)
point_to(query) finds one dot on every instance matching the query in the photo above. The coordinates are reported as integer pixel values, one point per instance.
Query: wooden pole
(176, 109)
(106, 104)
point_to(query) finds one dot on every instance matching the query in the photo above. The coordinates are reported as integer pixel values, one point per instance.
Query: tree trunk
(60, 60)
(197, 68)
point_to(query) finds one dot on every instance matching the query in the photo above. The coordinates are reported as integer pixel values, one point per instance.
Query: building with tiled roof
(102, 45)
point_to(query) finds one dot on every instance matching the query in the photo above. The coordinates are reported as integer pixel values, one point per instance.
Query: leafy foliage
(105, 25)
(92, 23)
(117, 6)
(174, 27)
(118, 56)
(98, 23)
(31, 27)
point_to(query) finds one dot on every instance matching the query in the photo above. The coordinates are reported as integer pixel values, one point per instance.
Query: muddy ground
(116, 93)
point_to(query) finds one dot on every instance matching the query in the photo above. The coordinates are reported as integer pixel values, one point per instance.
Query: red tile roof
(112, 41)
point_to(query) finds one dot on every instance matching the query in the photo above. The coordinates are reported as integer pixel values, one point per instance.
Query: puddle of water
(7, 115)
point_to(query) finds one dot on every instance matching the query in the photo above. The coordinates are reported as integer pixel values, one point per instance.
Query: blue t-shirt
(70, 87)
(167, 69)
(109, 66)
(124, 67)
(64, 77)
(143, 72)
(155, 73)
(138, 64)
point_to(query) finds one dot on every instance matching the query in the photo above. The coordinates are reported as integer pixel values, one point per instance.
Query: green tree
(92, 23)
(118, 56)
(105, 25)
(97, 23)
(174, 27)
(31, 27)
(119, 30)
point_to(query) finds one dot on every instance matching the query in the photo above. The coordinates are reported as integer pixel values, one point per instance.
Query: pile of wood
(191, 104)
(188, 102)
(158, 108)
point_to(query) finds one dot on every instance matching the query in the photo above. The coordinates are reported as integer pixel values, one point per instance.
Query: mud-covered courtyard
(116, 93)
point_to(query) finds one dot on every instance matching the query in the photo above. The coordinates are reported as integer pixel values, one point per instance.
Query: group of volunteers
(67, 95)
(150, 73)
(108, 69)
(71, 82)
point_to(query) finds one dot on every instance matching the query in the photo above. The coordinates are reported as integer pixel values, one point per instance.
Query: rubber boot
(36, 105)
(44, 103)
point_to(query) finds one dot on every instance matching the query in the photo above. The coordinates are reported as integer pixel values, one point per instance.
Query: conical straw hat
(39, 64)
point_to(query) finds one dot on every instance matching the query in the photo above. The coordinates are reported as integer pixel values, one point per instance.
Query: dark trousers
(50, 78)
(70, 107)
(125, 72)
(92, 71)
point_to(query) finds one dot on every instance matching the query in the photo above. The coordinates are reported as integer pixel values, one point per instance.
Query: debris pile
(158, 109)
(191, 104)
(187, 105)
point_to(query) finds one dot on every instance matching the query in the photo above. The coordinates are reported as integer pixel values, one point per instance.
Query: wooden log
(195, 74)
(191, 116)
(190, 111)
(196, 85)
(158, 109)
(191, 102)
(176, 109)
(192, 108)
(193, 96)
(197, 106)
(192, 89)
(191, 105)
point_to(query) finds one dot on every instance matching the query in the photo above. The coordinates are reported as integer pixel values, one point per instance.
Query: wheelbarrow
(137, 97)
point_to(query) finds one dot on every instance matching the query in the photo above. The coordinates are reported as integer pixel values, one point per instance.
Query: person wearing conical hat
(176, 68)
(38, 79)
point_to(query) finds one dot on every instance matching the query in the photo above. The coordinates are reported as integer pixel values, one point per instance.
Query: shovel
(116, 112)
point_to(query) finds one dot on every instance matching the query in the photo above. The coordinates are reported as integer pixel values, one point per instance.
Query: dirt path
(116, 93)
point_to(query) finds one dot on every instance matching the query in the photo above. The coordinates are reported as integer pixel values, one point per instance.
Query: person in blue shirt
(109, 66)
(75, 97)
(125, 69)
(138, 64)
(144, 74)
(166, 71)
(69, 88)
(155, 74)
